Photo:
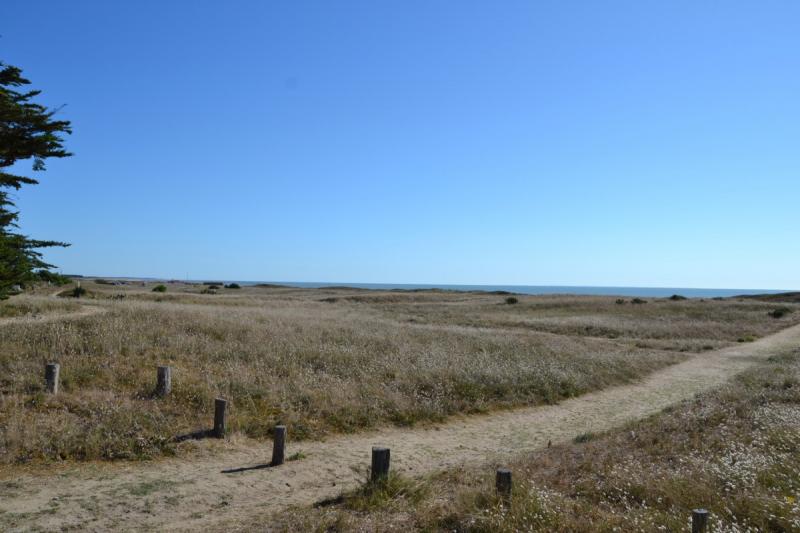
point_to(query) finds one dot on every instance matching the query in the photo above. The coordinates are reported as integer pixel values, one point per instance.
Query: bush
(75, 292)
(780, 312)
(209, 290)
(638, 301)
(619, 301)
(233, 286)
(101, 281)
(160, 288)
(511, 300)
(583, 437)
(677, 297)
(380, 494)
(55, 279)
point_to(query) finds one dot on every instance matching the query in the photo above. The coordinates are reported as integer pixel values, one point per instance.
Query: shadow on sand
(246, 468)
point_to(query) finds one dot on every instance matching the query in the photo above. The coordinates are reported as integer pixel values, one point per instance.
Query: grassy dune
(323, 361)
(733, 451)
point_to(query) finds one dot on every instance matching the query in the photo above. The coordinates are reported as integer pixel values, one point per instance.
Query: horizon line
(352, 283)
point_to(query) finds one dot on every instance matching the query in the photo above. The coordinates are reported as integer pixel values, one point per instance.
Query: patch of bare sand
(195, 492)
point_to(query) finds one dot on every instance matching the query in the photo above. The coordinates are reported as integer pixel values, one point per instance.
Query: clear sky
(560, 142)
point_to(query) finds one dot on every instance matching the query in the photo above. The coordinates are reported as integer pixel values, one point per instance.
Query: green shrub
(780, 312)
(638, 301)
(619, 301)
(677, 297)
(381, 494)
(160, 288)
(75, 292)
(296, 456)
(583, 437)
(511, 300)
(78, 291)
(50, 277)
(233, 286)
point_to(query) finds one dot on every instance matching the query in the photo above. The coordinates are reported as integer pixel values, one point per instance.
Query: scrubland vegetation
(734, 451)
(33, 307)
(322, 361)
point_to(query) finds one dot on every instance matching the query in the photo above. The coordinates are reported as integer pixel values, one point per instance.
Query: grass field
(321, 361)
(733, 451)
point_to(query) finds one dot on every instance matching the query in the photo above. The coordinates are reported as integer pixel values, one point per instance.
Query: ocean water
(652, 292)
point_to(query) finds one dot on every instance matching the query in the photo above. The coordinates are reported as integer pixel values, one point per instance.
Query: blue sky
(552, 142)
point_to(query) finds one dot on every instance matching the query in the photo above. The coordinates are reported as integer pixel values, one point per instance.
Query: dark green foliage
(27, 132)
(75, 292)
(619, 301)
(677, 297)
(511, 300)
(638, 301)
(160, 288)
(233, 286)
(52, 278)
(780, 312)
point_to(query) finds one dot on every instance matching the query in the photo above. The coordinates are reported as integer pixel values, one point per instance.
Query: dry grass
(733, 452)
(26, 306)
(323, 361)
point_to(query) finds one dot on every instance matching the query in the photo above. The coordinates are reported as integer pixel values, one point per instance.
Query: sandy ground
(192, 493)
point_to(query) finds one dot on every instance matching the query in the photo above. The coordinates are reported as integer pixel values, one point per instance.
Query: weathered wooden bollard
(502, 482)
(51, 375)
(699, 520)
(278, 445)
(219, 417)
(164, 381)
(380, 464)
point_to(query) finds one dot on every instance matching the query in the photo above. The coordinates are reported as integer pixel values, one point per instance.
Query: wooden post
(278, 445)
(380, 463)
(51, 375)
(699, 520)
(164, 381)
(219, 417)
(502, 482)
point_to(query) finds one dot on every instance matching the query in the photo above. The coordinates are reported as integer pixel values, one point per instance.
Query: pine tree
(28, 131)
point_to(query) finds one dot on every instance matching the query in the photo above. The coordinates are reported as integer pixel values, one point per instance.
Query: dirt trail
(193, 493)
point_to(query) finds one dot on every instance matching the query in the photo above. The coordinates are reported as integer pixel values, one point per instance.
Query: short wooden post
(699, 520)
(219, 417)
(380, 463)
(278, 445)
(503, 484)
(51, 376)
(164, 381)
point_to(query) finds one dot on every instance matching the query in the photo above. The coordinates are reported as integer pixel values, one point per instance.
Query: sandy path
(190, 493)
